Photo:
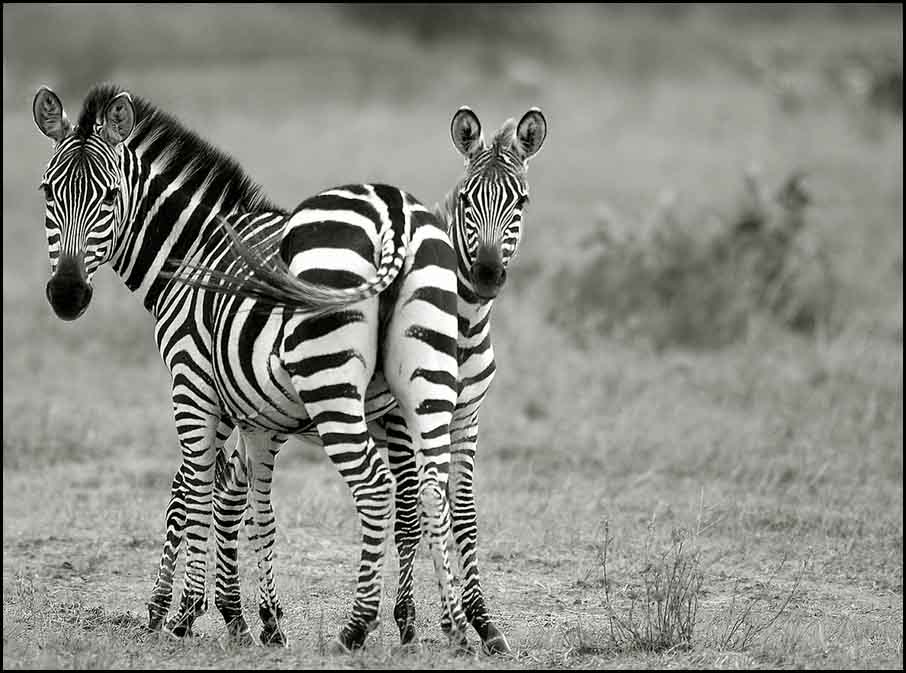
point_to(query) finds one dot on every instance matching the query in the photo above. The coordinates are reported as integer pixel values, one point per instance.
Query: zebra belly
(254, 387)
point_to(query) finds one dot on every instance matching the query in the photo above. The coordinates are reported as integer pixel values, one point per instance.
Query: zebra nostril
(69, 298)
(488, 278)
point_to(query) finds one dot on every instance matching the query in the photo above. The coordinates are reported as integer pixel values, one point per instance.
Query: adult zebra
(483, 213)
(130, 186)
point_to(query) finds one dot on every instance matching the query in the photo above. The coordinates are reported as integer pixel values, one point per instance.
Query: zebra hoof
(155, 621)
(408, 635)
(350, 638)
(496, 645)
(179, 632)
(459, 643)
(336, 648)
(238, 632)
(404, 614)
(275, 638)
(179, 628)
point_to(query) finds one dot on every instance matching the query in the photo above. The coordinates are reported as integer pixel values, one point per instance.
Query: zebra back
(260, 274)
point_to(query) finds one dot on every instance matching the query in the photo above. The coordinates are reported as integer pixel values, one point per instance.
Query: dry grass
(794, 438)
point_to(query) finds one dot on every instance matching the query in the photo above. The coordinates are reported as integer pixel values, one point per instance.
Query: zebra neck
(474, 313)
(169, 220)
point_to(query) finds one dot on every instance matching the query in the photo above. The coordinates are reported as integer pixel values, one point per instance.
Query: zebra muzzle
(68, 290)
(488, 276)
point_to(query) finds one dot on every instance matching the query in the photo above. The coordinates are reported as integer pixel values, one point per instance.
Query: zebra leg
(230, 495)
(202, 437)
(406, 525)
(365, 472)
(338, 410)
(426, 403)
(436, 527)
(162, 594)
(465, 532)
(261, 525)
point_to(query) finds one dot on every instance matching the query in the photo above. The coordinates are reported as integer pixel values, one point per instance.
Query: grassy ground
(778, 446)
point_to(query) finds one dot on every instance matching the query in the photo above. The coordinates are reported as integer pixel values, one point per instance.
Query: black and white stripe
(484, 215)
(483, 210)
(298, 367)
(247, 355)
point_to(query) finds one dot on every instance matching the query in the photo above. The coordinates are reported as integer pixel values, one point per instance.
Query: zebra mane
(183, 147)
(444, 210)
(505, 136)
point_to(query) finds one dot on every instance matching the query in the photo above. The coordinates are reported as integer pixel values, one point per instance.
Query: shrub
(677, 283)
(664, 601)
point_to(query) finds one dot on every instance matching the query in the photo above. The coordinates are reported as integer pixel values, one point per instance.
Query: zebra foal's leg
(465, 532)
(426, 400)
(230, 495)
(406, 523)
(261, 525)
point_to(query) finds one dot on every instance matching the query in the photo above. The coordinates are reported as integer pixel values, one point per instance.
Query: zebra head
(84, 202)
(490, 199)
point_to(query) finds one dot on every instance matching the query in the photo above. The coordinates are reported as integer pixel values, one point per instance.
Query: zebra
(130, 186)
(483, 214)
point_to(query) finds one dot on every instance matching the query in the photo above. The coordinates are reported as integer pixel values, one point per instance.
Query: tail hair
(260, 273)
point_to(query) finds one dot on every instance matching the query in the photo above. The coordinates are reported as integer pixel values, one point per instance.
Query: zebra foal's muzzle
(68, 290)
(488, 273)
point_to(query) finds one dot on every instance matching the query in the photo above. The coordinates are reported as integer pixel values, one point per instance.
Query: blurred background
(720, 182)
(706, 309)
(715, 178)
(676, 131)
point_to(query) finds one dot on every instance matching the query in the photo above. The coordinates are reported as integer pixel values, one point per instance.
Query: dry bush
(679, 283)
(657, 607)
(654, 606)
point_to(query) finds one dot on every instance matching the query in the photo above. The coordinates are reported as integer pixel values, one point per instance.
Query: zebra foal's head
(490, 199)
(84, 202)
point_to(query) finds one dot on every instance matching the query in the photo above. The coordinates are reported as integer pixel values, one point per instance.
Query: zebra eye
(523, 200)
(110, 196)
(465, 199)
(48, 192)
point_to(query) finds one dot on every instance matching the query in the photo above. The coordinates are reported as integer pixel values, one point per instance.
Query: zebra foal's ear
(465, 129)
(530, 133)
(118, 120)
(49, 115)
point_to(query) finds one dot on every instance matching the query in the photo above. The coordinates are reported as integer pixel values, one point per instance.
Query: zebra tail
(262, 275)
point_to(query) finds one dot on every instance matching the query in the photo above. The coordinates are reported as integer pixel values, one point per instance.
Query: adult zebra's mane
(182, 148)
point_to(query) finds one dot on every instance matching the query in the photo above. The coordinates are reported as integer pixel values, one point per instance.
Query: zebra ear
(465, 129)
(118, 120)
(530, 133)
(49, 115)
